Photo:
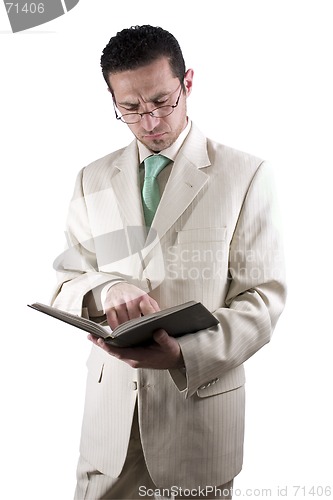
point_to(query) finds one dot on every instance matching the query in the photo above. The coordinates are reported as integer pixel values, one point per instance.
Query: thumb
(161, 337)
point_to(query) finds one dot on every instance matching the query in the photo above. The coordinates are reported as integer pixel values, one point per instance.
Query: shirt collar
(170, 152)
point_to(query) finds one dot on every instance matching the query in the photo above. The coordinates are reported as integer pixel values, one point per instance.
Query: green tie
(150, 191)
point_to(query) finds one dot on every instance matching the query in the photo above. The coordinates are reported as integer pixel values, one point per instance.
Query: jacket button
(133, 385)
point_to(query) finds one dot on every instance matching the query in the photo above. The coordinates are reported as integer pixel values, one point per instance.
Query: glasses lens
(163, 111)
(131, 118)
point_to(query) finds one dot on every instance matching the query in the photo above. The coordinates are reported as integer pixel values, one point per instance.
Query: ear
(188, 81)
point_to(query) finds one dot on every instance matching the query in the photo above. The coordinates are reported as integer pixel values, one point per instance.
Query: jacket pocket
(202, 235)
(231, 381)
(95, 365)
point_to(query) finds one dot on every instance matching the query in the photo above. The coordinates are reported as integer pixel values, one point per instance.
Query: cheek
(134, 128)
(175, 122)
(179, 117)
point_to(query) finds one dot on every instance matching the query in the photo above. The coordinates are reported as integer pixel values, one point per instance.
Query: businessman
(172, 217)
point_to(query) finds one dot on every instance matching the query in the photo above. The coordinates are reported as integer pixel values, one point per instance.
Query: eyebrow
(155, 98)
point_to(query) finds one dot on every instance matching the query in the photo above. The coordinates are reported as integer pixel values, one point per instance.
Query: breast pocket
(197, 264)
(202, 235)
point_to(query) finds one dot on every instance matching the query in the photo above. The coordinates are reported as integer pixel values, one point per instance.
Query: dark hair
(140, 45)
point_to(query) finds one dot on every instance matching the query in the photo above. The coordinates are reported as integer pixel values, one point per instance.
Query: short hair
(137, 46)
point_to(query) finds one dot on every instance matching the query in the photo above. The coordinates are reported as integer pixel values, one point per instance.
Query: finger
(117, 315)
(103, 345)
(154, 303)
(112, 318)
(122, 314)
(170, 346)
(133, 309)
(147, 307)
(128, 355)
(93, 339)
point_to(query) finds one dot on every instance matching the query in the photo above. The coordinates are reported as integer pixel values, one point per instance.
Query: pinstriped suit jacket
(215, 238)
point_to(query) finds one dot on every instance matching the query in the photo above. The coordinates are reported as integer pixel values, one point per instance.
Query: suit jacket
(215, 238)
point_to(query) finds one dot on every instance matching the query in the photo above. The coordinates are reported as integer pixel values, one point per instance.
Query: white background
(263, 84)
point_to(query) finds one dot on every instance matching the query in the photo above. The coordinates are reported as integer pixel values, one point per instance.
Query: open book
(177, 321)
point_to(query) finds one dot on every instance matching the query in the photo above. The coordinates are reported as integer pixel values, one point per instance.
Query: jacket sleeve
(256, 293)
(79, 281)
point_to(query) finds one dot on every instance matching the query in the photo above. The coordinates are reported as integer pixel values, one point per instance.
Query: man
(168, 419)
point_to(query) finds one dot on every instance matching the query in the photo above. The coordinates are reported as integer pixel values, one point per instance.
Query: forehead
(145, 82)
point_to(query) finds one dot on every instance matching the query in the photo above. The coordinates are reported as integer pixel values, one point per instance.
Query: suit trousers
(134, 481)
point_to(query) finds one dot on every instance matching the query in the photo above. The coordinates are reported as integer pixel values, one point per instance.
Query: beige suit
(215, 239)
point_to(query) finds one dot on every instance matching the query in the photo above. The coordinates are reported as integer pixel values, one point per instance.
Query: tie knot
(154, 164)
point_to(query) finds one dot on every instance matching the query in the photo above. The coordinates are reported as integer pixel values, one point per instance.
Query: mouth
(155, 136)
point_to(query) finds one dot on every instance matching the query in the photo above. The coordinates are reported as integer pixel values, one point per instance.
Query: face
(149, 87)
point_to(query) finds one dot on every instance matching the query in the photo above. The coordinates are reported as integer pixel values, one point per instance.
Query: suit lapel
(185, 182)
(126, 186)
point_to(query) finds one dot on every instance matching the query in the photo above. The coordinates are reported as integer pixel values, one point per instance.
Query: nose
(149, 122)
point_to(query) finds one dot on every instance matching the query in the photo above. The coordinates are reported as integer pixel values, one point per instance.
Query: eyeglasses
(160, 112)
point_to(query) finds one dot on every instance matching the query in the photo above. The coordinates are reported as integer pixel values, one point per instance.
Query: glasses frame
(150, 113)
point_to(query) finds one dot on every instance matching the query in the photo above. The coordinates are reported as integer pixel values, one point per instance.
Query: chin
(156, 145)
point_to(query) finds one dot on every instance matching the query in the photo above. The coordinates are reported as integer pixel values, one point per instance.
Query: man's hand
(125, 301)
(163, 354)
